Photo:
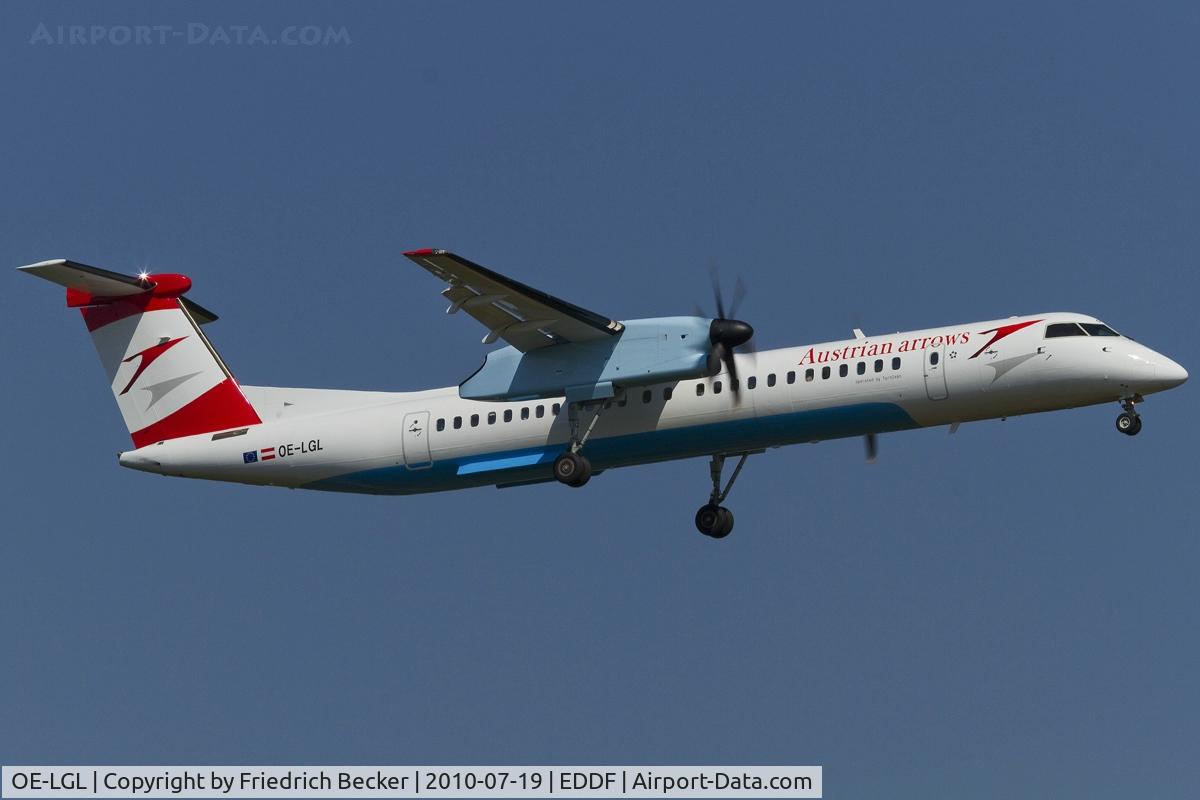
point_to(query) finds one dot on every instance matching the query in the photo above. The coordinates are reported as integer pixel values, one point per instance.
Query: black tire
(1128, 424)
(572, 469)
(726, 526)
(708, 518)
(585, 472)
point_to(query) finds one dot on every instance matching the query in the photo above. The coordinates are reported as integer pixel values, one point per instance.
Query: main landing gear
(572, 467)
(1129, 422)
(713, 519)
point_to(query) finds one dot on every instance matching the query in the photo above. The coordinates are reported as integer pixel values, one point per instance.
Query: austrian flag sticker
(254, 456)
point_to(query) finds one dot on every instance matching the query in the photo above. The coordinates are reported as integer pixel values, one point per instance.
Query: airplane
(574, 393)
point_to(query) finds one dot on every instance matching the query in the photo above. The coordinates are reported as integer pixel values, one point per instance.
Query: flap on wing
(520, 315)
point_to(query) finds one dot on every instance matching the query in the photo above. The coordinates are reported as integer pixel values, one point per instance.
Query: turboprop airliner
(573, 392)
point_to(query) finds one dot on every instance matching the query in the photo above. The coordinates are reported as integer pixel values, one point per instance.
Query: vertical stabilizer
(165, 375)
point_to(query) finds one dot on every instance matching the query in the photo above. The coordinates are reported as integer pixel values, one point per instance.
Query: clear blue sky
(1011, 610)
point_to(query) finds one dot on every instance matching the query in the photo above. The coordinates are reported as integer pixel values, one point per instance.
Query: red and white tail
(166, 376)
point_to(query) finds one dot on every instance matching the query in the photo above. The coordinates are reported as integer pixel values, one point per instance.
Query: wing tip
(425, 251)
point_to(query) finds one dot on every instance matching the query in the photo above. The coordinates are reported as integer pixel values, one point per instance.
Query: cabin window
(474, 420)
(441, 424)
(752, 381)
(1097, 329)
(554, 409)
(862, 368)
(540, 412)
(809, 374)
(824, 373)
(508, 415)
(716, 387)
(770, 379)
(667, 392)
(457, 423)
(699, 390)
(879, 365)
(933, 358)
(844, 370)
(1063, 329)
(646, 395)
(491, 418)
(791, 378)
(525, 412)
(896, 362)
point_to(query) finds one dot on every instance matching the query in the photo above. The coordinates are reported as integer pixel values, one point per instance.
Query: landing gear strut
(1129, 422)
(572, 467)
(713, 519)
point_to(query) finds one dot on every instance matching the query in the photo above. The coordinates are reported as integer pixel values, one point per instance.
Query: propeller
(872, 447)
(725, 333)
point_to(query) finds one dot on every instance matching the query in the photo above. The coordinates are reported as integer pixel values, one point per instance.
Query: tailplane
(167, 378)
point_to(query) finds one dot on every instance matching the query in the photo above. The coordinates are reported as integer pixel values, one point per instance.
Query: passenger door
(935, 373)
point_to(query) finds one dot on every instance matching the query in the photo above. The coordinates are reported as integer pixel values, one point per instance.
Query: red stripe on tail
(99, 316)
(223, 406)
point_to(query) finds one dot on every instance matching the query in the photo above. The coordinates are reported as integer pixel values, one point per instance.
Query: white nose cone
(1169, 374)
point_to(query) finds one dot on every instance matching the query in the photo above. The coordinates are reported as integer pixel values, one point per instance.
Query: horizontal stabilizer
(199, 313)
(93, 280)
(87, 285)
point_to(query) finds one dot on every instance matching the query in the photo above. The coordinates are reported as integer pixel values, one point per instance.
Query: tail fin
(167, 378)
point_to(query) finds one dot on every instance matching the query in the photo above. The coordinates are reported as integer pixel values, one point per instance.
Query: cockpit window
(1063, 329)
(1098, 329)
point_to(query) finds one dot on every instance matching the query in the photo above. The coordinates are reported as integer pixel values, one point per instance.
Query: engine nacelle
(646, 351)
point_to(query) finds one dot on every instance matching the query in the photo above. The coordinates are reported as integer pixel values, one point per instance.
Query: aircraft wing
(520, 315)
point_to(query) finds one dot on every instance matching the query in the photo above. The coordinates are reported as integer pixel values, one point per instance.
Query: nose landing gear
(1129, 422)
(713, 519)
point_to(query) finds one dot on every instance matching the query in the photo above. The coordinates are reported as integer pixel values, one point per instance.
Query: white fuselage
(400, 443)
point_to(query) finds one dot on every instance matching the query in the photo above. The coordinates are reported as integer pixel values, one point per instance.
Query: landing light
(143, 275)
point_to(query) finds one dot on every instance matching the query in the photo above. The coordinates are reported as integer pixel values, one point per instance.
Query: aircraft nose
(1168, 373)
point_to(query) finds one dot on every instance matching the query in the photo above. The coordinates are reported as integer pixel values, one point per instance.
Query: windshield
(1098, 329)
(1079, 329)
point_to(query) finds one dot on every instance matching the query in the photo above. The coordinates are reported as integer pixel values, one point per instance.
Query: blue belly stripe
(504, 462)
(531, 464)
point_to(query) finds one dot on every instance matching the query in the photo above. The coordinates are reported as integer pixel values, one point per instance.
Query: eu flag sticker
(249, 457)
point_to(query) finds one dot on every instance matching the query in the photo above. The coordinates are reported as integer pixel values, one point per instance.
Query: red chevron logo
(1002, 331)
(148, 356)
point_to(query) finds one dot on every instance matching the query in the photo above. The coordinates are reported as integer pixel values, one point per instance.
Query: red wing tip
(424, 251)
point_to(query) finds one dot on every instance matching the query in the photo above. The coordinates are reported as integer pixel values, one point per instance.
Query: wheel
(1128, 424)
(572, 469)
(708, 518)
(714, 521)
(726, 526)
